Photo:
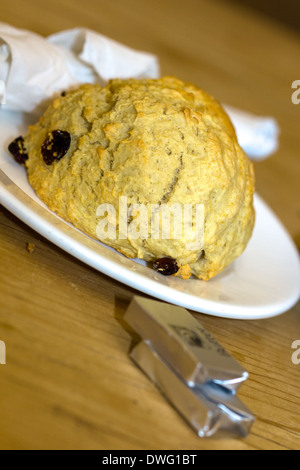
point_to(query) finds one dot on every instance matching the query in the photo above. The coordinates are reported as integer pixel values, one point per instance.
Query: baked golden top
(156, 142)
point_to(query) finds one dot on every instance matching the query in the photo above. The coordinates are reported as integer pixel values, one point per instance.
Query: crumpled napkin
(258, 136)
(34, 69)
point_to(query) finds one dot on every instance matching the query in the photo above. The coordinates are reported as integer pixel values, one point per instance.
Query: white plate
(263, 282)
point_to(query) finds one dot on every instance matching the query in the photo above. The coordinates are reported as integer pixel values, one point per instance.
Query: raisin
(17, 149)
(55, 146)
(166, 266)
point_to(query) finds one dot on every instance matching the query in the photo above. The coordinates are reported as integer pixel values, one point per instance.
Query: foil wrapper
(184, 344)
(190, 368)
(207, 408)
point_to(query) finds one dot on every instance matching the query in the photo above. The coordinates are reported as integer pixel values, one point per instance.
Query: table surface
(69, 382)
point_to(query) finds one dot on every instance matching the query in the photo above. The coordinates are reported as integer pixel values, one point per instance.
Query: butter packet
(184, 344)
(190, 368)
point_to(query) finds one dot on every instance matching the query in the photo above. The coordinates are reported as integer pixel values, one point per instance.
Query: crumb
(30, 247)
(184, 272)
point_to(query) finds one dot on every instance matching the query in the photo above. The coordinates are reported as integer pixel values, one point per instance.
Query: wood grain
(68, 382)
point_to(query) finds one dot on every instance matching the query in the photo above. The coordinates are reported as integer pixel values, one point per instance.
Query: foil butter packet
(190, 368)
(179, 338)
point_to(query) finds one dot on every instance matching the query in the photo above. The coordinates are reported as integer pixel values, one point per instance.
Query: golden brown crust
(153, 141)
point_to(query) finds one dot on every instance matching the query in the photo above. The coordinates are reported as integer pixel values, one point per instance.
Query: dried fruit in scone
(154, 142)
(18, 151)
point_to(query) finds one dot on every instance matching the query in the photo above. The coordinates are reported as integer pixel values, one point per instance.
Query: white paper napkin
(36, 68)
(258, 136)
(33, 69)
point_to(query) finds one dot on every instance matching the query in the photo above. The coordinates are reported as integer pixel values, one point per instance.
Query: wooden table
(69, 382)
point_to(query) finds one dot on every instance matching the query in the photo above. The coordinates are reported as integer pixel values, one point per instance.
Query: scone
(155, 142)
